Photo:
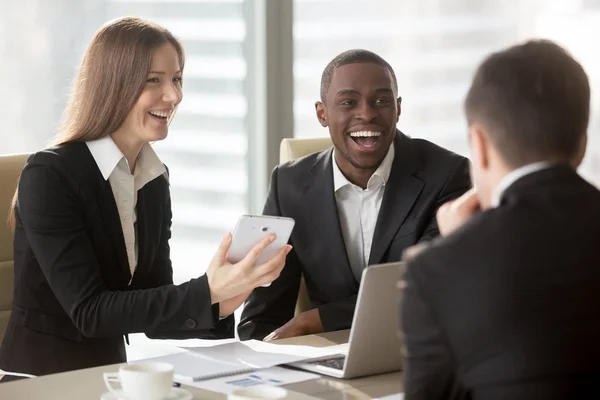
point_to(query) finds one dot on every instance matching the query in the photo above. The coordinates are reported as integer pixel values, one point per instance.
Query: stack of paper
(201, 363)
(275, 376)
(297, 350)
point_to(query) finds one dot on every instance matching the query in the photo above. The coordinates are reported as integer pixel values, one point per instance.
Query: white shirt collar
(382, 172)
(107, 156)
(514, 176)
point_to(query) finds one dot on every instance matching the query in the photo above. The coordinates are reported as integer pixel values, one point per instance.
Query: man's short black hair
(355, 56)
(533, 101)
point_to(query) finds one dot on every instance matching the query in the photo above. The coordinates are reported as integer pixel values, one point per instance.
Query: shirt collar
(107, 156)
(514, 176)
(382, 172)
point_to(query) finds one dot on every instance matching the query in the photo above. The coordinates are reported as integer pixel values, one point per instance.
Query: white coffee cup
(142, 381)
(259, 392)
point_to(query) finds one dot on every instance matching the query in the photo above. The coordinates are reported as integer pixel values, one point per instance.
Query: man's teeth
(162, 114)
(365, 134)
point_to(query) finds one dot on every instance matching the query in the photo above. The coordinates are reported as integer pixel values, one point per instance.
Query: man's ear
(399, 102)
(321, 114)
(581, 152)
(480, 146)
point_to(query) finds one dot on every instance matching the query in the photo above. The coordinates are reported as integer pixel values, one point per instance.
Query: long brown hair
(111, 77)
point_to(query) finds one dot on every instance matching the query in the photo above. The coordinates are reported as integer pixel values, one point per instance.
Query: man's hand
(306, 323)
(411, 252)
(454, 214)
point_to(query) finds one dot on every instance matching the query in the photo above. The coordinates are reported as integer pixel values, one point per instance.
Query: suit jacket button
(190, 323)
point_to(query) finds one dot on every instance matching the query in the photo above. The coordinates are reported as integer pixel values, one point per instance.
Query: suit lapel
(401, 192)
(106, 203)
(321, 198)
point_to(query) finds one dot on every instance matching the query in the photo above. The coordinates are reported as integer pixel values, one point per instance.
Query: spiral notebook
(228, 359)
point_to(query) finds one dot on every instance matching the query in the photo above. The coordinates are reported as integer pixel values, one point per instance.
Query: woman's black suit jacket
(73, 300)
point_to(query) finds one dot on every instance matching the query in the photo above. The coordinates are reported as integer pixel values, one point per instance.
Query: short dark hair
(533, 100)
(354, 56)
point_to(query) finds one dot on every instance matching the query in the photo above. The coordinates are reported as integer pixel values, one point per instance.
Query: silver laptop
(374, 346)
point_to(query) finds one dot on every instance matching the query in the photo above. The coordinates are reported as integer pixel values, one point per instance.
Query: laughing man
(360, 203)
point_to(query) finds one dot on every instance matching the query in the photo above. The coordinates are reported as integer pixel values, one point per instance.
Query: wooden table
(88, 383)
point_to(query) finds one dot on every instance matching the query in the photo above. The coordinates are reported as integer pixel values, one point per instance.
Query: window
(434, 47)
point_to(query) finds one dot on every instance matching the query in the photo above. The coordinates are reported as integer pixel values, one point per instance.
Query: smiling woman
(92, 218)
(149, 117)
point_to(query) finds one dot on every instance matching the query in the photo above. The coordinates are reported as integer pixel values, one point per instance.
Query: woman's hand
(231, 281)
(227, 307)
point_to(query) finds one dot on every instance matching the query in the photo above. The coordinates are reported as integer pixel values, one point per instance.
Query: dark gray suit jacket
(72, 300)
(423, 177)
(508, 307)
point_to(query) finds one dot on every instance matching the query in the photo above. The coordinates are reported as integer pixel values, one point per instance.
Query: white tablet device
(251, 229)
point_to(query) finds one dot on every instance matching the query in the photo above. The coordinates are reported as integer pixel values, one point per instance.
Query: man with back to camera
(506, 304)
(360, 204)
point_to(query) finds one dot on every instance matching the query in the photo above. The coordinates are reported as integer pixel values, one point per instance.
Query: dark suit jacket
(508, 307)
(423, 176)
(72, 299)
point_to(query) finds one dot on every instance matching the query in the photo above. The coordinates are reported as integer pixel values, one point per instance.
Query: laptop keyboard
(335, 362)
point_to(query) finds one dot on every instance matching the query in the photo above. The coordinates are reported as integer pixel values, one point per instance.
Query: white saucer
(258, 392)
(174, 394)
